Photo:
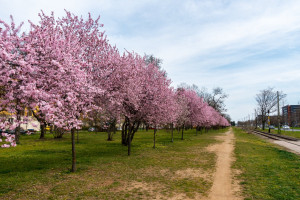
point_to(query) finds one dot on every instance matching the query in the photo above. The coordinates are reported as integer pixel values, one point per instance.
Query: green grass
(267, 172)
(40, 169)
(295, 133)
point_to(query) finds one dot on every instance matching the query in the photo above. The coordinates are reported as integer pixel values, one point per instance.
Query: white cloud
(242, 46)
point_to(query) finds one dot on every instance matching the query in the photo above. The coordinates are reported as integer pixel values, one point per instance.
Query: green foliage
(40, 169)
(268, 172)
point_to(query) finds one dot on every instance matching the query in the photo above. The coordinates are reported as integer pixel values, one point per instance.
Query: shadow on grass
(39, 161)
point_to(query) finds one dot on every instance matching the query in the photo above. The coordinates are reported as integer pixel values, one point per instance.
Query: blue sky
(242, 46)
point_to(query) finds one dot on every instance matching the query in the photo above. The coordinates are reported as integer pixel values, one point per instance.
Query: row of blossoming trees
(66, 71)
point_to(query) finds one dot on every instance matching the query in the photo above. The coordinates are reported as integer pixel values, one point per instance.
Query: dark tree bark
(111, 130)
(154, 134)
(73, 150)
(182, 132)
(42, 127)
(77, 136)
(40, 118)
(128, 131)
(129, 147)
(172, 139)
(109, 135)
(124, 132)
(43, 130)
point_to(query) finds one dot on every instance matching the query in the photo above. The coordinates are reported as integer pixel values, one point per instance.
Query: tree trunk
(196, 130)
(129, 143)
(17, 133)
(182, 132)
(41, 119)
(154, 138)
(73, 150)
(77, 136)
(172, 139)
(134, 129)
(109, 135)
(124, 132)
(128, 131)
(111, 130)
(42, 127)
(263, 121)
(18, 128)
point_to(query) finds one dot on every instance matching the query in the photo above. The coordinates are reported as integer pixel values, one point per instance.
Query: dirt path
(223, 185)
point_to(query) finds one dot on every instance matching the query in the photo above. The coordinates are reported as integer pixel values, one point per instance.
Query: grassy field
(295, 133)
(39, 169)
(267, 172)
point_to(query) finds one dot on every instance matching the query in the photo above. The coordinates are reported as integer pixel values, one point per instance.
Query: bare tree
(204, 94)
(151, 59)
(226, 116)
(215, 99)
(266, 101)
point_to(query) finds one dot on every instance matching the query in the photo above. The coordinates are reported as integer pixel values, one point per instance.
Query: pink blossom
(5, 145)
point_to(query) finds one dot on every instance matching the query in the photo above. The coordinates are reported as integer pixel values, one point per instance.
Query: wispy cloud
(242, 46)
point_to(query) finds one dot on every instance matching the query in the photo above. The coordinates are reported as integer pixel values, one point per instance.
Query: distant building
(29, 122)
(291, 115)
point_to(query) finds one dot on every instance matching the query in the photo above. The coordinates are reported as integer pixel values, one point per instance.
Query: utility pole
(278, 114)
(269, 121)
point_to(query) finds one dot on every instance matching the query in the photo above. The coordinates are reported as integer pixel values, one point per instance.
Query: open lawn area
(295, 133)
(266, 171)
(40, 169)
